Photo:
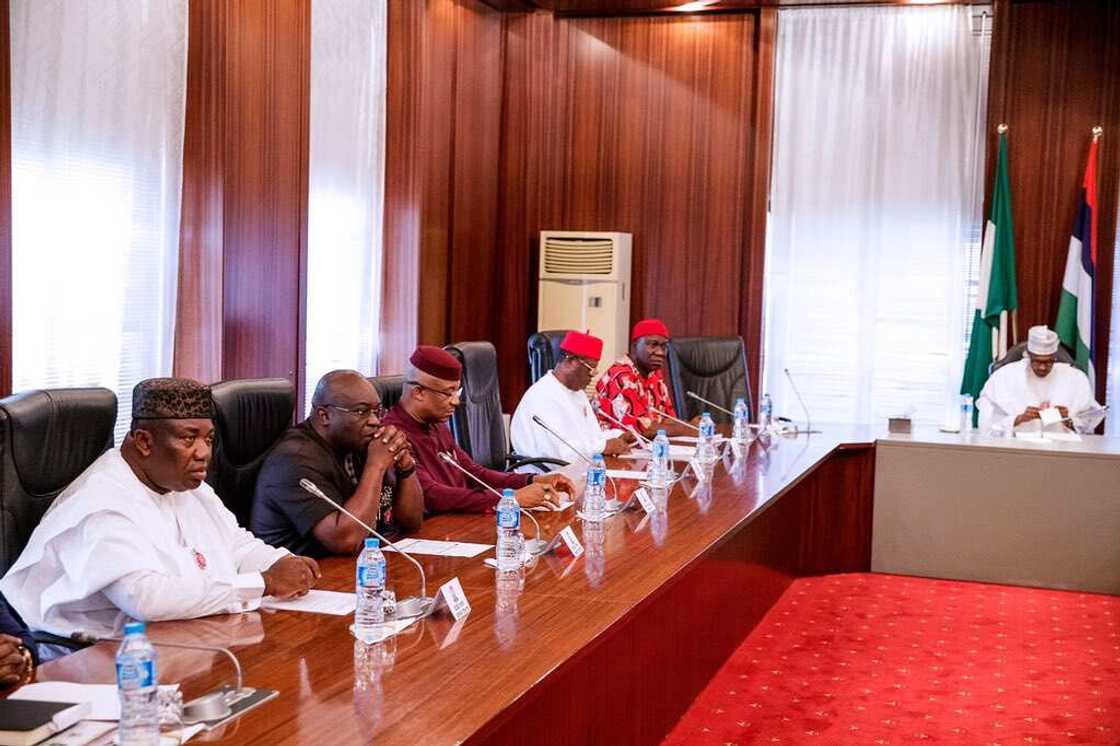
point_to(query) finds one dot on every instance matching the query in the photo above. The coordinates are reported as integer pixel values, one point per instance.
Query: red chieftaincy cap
(438, 362)
(649, 327)
(583, 345)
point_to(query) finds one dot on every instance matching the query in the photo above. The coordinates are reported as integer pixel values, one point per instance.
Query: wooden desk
(609, 648)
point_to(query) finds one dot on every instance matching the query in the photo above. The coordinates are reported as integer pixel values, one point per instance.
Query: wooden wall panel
(640, 124)
(1055, 74)
(5, 201)
(267, 67)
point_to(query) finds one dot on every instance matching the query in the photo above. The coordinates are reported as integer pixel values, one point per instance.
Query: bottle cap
(507, 492)
(661, 431)
(740, 400)
(372, 542)
(597, 457)
(706, 414)
(134, 628)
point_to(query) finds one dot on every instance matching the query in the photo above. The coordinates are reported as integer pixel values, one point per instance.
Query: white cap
(1042, 341)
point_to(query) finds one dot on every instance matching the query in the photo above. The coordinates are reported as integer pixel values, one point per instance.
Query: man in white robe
(1038, 394)
(140, 533)
(559, 400)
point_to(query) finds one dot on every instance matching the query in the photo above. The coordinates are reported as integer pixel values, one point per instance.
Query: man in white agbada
(1038, 394)
(560, 401)
(140, 532)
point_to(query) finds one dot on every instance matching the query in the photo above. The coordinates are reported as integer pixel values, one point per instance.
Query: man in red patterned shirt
(634, 386)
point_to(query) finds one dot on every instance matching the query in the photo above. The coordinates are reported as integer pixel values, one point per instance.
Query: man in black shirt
(359, 463)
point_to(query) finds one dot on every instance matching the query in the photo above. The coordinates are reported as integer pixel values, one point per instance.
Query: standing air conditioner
(585, 284)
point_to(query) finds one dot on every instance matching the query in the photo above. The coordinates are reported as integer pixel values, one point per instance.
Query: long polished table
(606, 648)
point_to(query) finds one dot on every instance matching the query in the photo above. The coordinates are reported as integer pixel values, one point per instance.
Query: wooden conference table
(608, 648)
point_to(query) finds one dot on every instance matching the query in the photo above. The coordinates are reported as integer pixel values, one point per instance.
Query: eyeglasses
(362, 413)
(592, 369)
(449, 394)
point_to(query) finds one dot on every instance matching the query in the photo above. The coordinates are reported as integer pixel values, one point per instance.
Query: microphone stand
(533, 546)
(713, 405)
(674, 419)
(211, 706)
(417, 606)
(641, 438)
(808, 422)
(615, 505)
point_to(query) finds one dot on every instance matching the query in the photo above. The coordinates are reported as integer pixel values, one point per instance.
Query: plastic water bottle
(742, 430)
(706, 444)
(659, 464)
(509, 532)
(765, 412)
(594, 494)
(966, 413)
(137, 689)
(369, 583)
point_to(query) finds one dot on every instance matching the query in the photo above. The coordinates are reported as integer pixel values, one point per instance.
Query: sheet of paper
(102, 697)
(1066, 437)
(676, 453)
(315, 602)
(388, 629)
(1050, 416)
(693, 439)
(442, 548)
(82, 733)
(626, 474)
(564, 505)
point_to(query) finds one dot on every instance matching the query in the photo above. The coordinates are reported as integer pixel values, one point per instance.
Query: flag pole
(1097, 132)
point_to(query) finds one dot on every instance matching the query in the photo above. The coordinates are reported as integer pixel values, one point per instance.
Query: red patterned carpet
(883, 659)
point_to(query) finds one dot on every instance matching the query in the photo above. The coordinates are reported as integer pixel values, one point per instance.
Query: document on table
(626, 474)
(679, 453)
(315, 602)
(102, 697)
(694, 439)
(564, 505)
(442, 548)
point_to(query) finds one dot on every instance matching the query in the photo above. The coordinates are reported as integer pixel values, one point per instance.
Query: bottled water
(765, 412)
(594, 493)
(706, 444)
(137, 689)
(659, 464)
(966, 413)
(369, 583)
(509, 532)
(742, 431)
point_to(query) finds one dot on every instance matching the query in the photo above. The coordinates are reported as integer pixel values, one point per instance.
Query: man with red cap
(559, 400)
(633, 390)
(431, 393)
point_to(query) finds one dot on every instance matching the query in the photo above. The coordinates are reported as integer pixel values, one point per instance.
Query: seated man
(1016, 394)
(634, 387)
(431, 393)
(559, 400)
(342, 448)
(139, 532)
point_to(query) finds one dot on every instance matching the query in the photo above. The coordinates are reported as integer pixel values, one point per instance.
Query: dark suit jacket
(11, 624)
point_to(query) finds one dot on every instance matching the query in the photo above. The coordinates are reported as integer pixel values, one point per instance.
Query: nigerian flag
(1075, 310)
(998, 293)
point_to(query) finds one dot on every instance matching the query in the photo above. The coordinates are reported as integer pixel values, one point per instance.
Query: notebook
(26, 722)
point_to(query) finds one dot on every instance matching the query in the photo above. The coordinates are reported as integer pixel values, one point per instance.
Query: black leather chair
(477, 424)
(389, 388)
(47, 437)
(1016, 353)
(544, 351)
(250, 415)
(712, 367)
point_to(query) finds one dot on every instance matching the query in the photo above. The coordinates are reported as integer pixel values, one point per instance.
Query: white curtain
(346, 185)
(875, 210)
(98, 96)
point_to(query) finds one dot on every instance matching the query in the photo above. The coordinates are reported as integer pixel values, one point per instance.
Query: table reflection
(508, 585)
(371, 662)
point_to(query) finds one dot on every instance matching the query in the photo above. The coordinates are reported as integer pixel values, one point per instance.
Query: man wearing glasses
(431, 393)
(559, 399)
(360, 462)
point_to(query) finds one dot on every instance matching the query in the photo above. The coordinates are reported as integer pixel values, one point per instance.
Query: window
(98, 92)
(345, 185)
(874, 231)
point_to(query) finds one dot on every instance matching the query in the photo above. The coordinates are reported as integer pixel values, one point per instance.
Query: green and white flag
(998, 294)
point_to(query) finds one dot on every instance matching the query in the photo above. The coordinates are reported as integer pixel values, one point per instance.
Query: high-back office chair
(712, 367)
(544, 351)
(478, 425)
(250, 415)
(389, 388)
(47, 438)
(1017, 352)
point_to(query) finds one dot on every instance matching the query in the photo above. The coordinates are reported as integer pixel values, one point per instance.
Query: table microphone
(677, 420)
(641, 438)
(808, 422)
(699, 398)
(417, 606)
(534, 546)
(213, 705)
(613, 504)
